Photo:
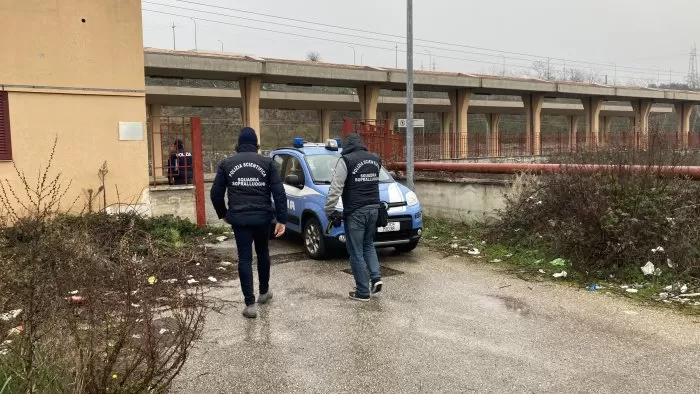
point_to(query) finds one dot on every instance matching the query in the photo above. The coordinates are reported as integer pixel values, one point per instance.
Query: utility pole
(222, 45)
(658, 77)
(353, 54)
(409, 95)
(693, 80)
(397, 56)
(195, 34)
(565, 78)
(173, 36)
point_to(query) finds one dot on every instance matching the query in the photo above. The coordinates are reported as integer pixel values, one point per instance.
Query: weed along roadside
(96, 302)
(657, 286)
(618, 230)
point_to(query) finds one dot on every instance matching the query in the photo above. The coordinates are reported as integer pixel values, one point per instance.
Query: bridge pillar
(533, 120)
(324, 118)
(684, 111)
(445, 120)
(606, 138)
(250, 98)
(494, 136)
(573, 132)
(592, 107)
(390, 118)
(459, 99)
(369, 97)
(641, 109)
(154, 112)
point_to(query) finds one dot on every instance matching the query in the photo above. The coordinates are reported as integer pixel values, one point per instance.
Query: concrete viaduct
(596, 101)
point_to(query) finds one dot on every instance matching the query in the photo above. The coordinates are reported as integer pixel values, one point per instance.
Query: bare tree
(313, 56)
(499, 71)
(543, 70)
(575, 75)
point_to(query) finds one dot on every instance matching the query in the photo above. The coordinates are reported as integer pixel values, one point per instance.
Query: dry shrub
(608, 222)
(98, 314)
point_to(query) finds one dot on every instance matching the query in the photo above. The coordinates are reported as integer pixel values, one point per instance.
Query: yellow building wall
(46, 43)
(74, 69)
(87, 132)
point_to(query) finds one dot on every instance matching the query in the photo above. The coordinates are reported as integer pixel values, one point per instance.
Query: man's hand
(279, 229)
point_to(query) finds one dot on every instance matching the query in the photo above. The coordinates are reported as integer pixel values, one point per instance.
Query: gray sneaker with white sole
(251, 311)
(264, 298)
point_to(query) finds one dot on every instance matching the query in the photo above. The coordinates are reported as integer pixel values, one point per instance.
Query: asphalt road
(441, 325)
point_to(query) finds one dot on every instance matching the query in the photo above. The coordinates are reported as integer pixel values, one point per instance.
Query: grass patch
(535, 264)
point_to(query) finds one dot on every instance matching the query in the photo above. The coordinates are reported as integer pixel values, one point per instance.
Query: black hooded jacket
(361, 186)
(250, 180)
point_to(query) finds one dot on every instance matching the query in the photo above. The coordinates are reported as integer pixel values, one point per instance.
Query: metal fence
(175, 155)
(437, 146)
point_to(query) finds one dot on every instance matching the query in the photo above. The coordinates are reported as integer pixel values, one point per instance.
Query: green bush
(609, 221)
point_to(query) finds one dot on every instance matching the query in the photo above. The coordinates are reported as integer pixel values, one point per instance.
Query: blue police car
(307, 170)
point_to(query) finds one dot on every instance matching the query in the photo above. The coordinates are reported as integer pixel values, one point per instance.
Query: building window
(5, 143)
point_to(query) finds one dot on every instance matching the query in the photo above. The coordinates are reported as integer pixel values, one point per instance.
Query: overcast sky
(651, 36)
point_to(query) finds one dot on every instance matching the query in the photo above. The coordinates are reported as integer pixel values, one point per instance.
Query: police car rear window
(322, 166)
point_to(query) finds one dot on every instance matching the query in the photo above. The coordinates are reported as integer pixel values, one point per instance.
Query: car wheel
(405, 248)
(314, 240)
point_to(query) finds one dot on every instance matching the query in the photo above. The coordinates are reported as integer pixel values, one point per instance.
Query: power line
(326, 31)
(361, 37)
(325, 39)
(606, 65)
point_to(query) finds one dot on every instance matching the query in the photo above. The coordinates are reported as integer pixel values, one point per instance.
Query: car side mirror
(293, 180)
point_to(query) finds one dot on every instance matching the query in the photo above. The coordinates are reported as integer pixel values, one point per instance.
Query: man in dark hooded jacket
(356, 181)
(250, 180)
(180, 165)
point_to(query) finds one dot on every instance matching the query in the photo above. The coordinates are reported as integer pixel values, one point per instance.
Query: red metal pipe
(513, 168)
(198, 170)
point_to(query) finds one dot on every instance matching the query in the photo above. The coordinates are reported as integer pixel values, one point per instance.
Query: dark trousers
(245, 237)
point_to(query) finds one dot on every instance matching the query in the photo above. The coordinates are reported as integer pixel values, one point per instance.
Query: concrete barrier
(173, 200)
(467, 200)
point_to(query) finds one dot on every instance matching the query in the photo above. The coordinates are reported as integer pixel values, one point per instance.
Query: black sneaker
(354, 296)
(377, 286)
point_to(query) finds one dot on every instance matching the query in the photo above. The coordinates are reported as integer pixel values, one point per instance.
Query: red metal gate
(378, 138)
(164, 131)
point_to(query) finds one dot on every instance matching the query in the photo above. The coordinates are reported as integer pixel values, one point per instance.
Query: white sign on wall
(403, 123)
(131, 131)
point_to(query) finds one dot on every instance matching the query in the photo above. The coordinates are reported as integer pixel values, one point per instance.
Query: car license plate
(391, 226)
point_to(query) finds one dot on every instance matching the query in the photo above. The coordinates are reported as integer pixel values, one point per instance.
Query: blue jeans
(245, 237)
(360, 228)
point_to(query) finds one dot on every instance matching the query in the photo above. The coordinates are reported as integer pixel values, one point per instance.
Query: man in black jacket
(356, 181)
(250, 179)
(180, 165)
